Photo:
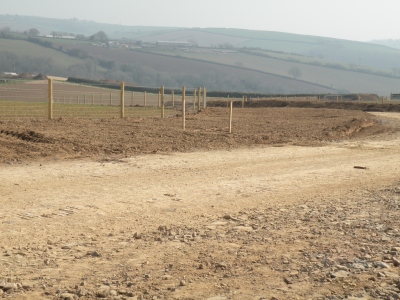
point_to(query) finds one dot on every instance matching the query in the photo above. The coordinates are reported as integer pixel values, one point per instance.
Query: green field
(24, 48)
(14, 109)
(342, 80)
(239, 61)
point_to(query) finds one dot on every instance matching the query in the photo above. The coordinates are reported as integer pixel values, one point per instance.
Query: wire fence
(30, 99)
(25, 99)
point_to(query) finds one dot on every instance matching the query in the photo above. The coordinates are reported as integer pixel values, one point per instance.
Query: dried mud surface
(295, 204)
(22, 140)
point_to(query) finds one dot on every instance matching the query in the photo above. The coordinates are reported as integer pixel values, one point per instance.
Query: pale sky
(360, 20)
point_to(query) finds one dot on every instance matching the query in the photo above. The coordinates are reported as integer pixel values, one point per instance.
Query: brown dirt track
(139, 209)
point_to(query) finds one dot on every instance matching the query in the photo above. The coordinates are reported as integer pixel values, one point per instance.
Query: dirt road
(287, 222)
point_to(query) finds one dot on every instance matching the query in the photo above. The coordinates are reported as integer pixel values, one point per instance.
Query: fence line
(58, 99)
(31, 99)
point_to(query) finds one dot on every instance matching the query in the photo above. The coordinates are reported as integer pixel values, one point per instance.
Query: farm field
(256, 70)
(24, 48)
(328, 77)
(267, 72)
(296, 203)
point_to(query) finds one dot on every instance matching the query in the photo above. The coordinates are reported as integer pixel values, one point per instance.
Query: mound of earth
(25, 76)
(22, 140)
(40, 77)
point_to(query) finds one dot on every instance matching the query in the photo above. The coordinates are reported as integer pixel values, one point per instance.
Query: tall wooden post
(184, 108)
(144, 99)
(173, 98)
(194, 99)
(162, 102)
(230, 116)
(50, 90)
(243, 102)
(122, 95)
(198, 98)
(204, 98)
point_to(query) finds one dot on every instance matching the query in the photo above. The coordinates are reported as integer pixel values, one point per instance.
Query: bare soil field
(296, 203)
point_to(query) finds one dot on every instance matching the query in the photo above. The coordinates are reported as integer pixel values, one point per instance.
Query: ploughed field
(81, 138)
(296, 203)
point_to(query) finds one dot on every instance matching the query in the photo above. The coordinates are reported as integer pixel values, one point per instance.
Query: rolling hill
(221, 59)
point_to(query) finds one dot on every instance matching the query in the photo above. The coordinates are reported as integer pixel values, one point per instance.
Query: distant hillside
(389, 43)
(344, 51)
(220, 59)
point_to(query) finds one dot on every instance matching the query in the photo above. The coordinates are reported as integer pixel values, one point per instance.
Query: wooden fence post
(230, 116)
(50, 90)
(144, 99)
(243, 102)
(122, 99)
(198, 98)
(204, 98)
(173, 98)
(162, 102)
(194, 99)
(184, 108)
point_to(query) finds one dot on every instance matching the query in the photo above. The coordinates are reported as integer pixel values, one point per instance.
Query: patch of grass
(14, 109)
(102, 111)
(24, 48)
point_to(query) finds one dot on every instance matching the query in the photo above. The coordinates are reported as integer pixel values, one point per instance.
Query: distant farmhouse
(9, 74)
(69, 37)
(173, 44)
(4, 76)
(394, 96)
